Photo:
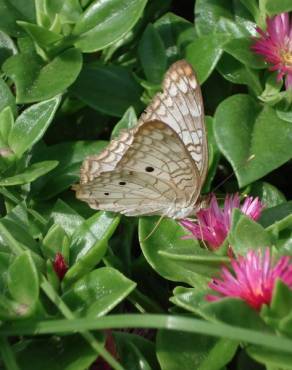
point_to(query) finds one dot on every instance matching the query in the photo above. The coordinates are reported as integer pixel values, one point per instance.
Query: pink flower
(213, 223)
(253, 278)
(276, 46)
(60, 266)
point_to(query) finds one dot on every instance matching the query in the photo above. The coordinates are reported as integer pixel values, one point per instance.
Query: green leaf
(69, 353)
(239, 48)
(35, 80)
(277, 7)
(152, 55)
(246, 234)
(171, 256)
(235, 312)
(204, 53)
(214, 154)
(104, 23)
(222, 17)
(14, 10)
(180, 350)
(6, 97)
(278, 313)
(23, 281)
(69, 11)
(31, 125)
(16, 223)
(128, 121)
(30, 174)
(89, 244)
(176, 33)
(55, 241)
(7, 47)
(66, 217)
(275, 214)
(103, 88)
(6, 123)
(98, 292)
(11, 310)
(268, 194)
(271, 358)
(243, 128)
(281, 234)
(238, 73)
(70, 156)
(134, 350)
(42, 36)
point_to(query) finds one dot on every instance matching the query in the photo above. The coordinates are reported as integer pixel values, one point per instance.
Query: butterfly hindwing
(155, 175)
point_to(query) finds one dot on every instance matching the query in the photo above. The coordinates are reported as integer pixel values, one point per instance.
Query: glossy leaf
(7, 47)
(268, 357)
(189, 351)
(213, 16)
(31, 125)
(36, 80)
(176, 33)
(70, 156)
(204, 53)
(55, 240)
(6, 97)
(250, 136)
(171, 256)
(102, 88)
(30, 174)
(23, 281)
(240, 49)
(269, 194)
(42, 36)
(276, 7)
(12, 11)
(135, 350)
(89, 244)
(98, 292)
(238, 73)
(276, 214)
(152, 55)
(66, 217)
(106, 22)
(246, 234)
(6, 123)
(71, 353)
(128, 121)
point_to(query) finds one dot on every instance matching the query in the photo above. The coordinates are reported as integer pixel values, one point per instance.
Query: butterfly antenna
(232, 174)
(154, 228)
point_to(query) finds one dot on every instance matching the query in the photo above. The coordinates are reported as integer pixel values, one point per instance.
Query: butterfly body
(158, 167)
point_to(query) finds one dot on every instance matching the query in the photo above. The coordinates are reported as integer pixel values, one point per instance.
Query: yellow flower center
(287, 57)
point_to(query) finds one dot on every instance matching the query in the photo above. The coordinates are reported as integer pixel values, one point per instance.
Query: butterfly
(159, 166)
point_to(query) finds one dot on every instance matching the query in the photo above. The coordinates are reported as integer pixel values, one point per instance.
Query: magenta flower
(253, 278)
(275, 45)
(213, 223)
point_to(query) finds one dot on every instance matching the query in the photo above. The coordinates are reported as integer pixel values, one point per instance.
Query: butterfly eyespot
(149, 169)
(122, 183)
(106, 193)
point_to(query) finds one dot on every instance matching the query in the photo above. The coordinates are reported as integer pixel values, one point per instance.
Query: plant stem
(64, 309)
(7, 355)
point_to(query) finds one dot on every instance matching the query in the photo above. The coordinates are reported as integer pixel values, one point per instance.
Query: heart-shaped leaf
(252, 137)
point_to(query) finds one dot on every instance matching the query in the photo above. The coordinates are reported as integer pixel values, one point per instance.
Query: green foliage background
(74, 73)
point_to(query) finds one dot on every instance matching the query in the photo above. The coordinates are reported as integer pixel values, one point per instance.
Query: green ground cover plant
(85, 289)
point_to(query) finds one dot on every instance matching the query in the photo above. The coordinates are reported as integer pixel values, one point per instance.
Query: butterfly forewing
(180, 105)
(159, 166)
